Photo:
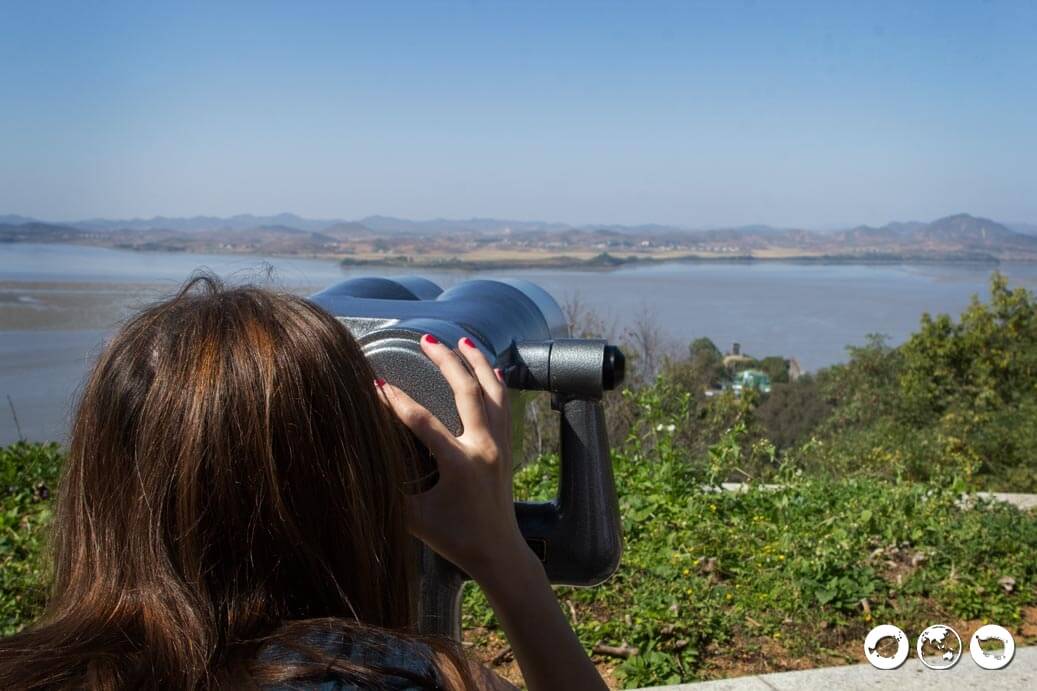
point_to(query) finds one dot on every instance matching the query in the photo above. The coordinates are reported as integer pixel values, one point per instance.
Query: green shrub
(809, 565)
(958, 398)
(793, 411)
(28, 473)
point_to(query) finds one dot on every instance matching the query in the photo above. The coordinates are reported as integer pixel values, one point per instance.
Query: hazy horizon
(465, 219)
(820, 116)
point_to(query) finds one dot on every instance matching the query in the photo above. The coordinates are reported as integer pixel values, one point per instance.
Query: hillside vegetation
(857, 507)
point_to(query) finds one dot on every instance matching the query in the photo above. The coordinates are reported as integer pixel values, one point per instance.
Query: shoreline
(608, 262)
(603, 261)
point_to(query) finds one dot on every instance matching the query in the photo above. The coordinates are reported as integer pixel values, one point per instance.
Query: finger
(494, 392)
(425, 426)
(486, 375)
(468, 393)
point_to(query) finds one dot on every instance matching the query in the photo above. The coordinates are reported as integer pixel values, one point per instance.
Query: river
(57, 303)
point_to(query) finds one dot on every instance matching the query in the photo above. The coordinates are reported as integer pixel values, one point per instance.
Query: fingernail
(429, 338)
(500, 373)
(379, 383)
(468, 342)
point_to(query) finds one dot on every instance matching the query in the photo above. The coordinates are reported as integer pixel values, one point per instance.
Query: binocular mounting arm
(577, 535)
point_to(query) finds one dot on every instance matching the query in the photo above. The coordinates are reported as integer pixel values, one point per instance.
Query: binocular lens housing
(517, 325)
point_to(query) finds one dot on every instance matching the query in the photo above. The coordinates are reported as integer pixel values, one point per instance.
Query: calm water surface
(57, 303)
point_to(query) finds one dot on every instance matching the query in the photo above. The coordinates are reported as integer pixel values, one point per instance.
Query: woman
(232, 514)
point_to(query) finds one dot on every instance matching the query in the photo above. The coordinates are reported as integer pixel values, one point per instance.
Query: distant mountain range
(390, 224)
(382, 239)
(376, 224)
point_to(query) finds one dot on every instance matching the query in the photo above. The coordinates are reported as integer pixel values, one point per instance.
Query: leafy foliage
(793, 411)
(958, 399)
(797, 568)
(866, 521)
(28, 472)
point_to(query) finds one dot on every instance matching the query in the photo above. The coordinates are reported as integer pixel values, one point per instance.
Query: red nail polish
(429, 338)
(500, 373)
(379, 383)
(468, 342)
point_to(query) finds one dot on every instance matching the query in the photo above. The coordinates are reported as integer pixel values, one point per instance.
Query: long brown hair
(233, 483)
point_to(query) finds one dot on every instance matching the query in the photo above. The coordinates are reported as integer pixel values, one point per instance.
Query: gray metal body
(521, 329)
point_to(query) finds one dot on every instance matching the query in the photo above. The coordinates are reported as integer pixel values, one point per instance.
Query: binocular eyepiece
(572, 367)
(521, 330)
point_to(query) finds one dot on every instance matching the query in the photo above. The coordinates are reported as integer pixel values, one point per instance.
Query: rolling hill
(378, 239)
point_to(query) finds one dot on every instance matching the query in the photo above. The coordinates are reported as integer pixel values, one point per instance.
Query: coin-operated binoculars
(521, 330)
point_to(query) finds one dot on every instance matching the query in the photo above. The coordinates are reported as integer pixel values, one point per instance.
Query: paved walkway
(1023, 501)
(912, 676)
(1019, 500)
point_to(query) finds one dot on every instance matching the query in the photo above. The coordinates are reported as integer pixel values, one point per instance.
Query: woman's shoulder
(353, 659)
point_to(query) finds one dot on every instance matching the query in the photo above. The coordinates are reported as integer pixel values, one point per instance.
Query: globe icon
(939, 647)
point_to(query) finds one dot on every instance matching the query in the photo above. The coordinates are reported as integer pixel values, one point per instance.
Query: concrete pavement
(912, 676)
(1017, 499)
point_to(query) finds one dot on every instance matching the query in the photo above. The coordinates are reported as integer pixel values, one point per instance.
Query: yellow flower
(727, 596)
(685, 572)
(781, 557)
(712, 507)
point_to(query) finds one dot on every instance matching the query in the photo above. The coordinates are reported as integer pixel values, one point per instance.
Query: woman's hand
(468, 517)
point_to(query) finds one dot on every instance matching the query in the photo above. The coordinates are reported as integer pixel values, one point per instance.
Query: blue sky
(700, 114)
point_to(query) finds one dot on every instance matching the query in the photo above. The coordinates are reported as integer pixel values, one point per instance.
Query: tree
(776, 367)
(974, 381)
(957, 400)
(704, 348)
(793, 411)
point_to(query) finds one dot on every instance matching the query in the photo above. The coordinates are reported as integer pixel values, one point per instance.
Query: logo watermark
(939, 647)
(876, 636)
(992, 632)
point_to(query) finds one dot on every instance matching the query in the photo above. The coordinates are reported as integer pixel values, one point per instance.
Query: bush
(957, 398)
(28, 473)
(799, 571)
(793, 411)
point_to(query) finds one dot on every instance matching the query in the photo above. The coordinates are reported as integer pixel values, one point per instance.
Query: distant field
(535, 258)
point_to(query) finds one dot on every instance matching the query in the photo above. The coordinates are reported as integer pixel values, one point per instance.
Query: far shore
(606, 261)
(497, 260)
